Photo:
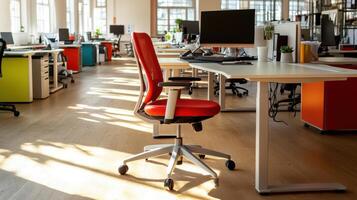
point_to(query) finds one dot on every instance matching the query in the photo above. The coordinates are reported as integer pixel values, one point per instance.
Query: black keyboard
(243, 58)
(217, 59)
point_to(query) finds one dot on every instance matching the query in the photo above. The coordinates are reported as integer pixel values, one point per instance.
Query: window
(298, 7)
(70, 15)
(43, 16)
(265, 10)
(85, 17)
(15, 9)
(100, 16)
(170, 10)
(234, 4)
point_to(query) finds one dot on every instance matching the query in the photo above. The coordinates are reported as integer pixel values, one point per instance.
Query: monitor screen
(89, 36)
(230, 28)
(191, 27)
(63, 34)
(7, 36)
(117, 29)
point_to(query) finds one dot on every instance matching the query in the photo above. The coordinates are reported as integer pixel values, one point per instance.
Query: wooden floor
(70, 145)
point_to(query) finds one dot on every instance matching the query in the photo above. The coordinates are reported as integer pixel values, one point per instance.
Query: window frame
(270, 8)
(169, 8)
(96, 6)
(38, 3)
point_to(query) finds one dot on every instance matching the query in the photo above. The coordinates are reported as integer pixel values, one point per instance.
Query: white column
(61, 17)
(76, 16)
(5, 19)
(285, 10)
(207, 5)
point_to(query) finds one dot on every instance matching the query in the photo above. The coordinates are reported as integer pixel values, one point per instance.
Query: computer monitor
(89, 36)
(229, 28)
(191, 27)
(117, 29)
(7, 36)
(63, 34)
(327, 31)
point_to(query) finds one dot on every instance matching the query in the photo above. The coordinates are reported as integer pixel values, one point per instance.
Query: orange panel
(313, 104)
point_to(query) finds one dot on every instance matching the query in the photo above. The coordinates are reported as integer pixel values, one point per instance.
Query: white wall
(5, 20)
(135, 13)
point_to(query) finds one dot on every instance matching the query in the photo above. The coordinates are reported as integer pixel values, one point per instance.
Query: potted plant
(268, 31)
(178, 31)
(286, 54)
(97, 33)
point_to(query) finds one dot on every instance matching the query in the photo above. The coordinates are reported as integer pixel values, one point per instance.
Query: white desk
(263, 73)
(171, 50)
(168, 55)
(33, 46)
(337, 61)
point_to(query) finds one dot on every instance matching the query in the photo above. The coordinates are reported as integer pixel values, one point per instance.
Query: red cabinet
(109, 47)
(332, 105)
(73, 55)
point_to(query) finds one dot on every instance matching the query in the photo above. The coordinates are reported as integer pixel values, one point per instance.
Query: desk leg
(166, 78)
(210, 86)
(56, 86)
(222, 92)
(176, 72)
(262, 153)
(195, 74)
(262, 138)
(222, 98)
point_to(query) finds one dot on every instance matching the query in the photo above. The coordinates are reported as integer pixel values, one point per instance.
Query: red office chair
(173, 110)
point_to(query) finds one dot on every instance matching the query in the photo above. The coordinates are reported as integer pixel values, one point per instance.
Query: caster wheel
(169, 183)
(240, 95)
(72, 81)
(230, 164)
(65, 86)
(16, 113)
(245, 93)
(123, 169)
(202, 156)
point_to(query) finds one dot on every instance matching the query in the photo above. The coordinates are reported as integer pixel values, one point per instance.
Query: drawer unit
(40, 75)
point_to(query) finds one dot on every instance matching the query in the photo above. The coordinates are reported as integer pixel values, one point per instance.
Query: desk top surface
(34, 46)
(173, 63)
(337, 51)
(69, 45)
(276, 71)
(30, 52)
(337, 61)
(171, 50)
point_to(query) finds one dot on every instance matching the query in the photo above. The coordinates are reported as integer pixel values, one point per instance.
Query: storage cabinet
(40, 77)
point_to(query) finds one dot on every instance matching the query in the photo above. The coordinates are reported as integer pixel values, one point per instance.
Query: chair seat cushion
(184, 108)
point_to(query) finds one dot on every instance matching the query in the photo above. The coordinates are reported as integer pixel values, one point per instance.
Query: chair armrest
(175, 85)
(186, 79)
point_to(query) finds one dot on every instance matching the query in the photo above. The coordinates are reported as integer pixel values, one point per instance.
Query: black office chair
(5, 106)
(116, 49)
(233, 85)
(293, 99)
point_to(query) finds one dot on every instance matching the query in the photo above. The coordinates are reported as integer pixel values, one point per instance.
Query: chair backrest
(2, 49)
(147, 60)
